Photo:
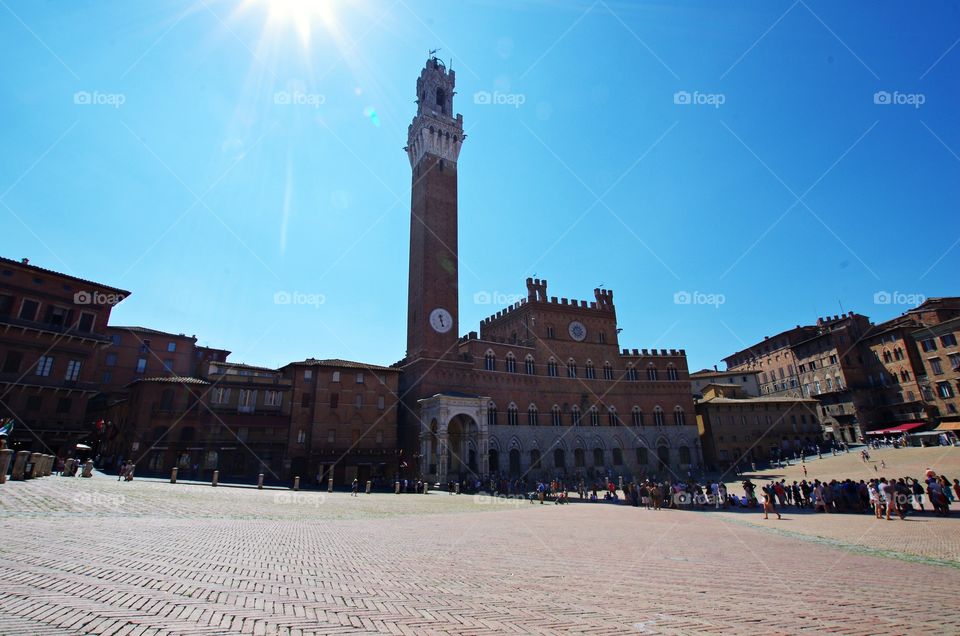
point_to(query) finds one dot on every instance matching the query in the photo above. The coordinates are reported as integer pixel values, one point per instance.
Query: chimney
(714, 367)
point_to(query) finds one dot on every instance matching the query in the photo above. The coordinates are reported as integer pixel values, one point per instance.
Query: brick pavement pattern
(94, 556)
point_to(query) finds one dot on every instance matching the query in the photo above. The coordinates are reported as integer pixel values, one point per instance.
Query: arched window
(514, 461)
(598, 457)
(617, 457)
(631, 373)
(651, 372)
(555, 415)
(559, 458)
(607, 371)
(672, 373)
(512, 414)
(575, 415)
(678, 417)
(579, 461)
(684, 454)
(642, 456)
(494, 456)
(589, 371)
(571, 368)
(529, 366)
(532, 414)
(612, 419)
(552, 368)
(636, 415)
(490, 361)
(511, 363)
(594, 416)
(535, 459)
(491, 414)
(658, 416)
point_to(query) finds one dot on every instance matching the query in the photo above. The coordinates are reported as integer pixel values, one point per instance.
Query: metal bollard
(216, 478)
(296, 483)
(260, 481)
(369, 484)
(330, 484)
(396, 488)
(6, 455)
(173, 475)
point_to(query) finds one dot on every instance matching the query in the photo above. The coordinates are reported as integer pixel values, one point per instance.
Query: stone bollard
(621, 482)
(88, 469)
(216, 478)
(369, 486)
(35, 459)
(19, 465)
(456, 488)
(426, 488)
(173, 475)
(330, 484)
(260, 481)
(6, 455)
(296, 483)
(396, 488)
(48, 465)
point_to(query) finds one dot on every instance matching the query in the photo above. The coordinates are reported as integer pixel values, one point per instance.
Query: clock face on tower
(441, 320)
(577, 331)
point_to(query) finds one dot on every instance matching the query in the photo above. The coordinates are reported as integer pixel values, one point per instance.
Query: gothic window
(511, 363)
(612, 419)
(442, 100)
(651, 372)
(658, 416)
(555, 415)
(589, 371)
(491, 414)
(594, 416)
(631, 373)
(552, 368)
(636, 415)
(512, 414)
(529, 366)
(571, 368)
(607, 371)
(532, 415)
(679, 418)
(490, 361)
(575, 415)
(672, 373)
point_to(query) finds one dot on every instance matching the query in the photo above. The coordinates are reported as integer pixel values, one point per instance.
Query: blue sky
(147, 145)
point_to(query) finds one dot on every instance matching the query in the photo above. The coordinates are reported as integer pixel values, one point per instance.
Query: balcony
(7, 322)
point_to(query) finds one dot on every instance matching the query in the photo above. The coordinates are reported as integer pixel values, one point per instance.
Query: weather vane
(433, 53)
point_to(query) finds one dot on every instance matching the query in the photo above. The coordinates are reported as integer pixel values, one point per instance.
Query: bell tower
(433, 146)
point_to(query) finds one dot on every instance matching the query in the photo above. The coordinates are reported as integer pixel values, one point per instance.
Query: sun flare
(301, 15)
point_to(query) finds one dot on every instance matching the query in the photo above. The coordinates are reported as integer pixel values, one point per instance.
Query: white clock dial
(577, 331)
(441, 320)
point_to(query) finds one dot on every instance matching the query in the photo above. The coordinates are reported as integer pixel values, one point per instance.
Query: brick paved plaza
(94, 556)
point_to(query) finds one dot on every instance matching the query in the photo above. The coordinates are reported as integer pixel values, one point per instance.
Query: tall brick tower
(433, 146)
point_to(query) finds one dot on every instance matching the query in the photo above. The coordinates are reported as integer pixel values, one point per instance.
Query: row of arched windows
(637, 416)
(589, 371)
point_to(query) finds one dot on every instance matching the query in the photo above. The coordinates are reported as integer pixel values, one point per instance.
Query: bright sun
(299, 14)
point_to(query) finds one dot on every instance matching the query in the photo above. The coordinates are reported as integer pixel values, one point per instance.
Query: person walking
(767, 495)
(354, 488)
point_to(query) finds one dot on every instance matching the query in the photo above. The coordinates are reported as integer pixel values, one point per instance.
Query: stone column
(19, 465)
(442, 452)
(6, 456)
